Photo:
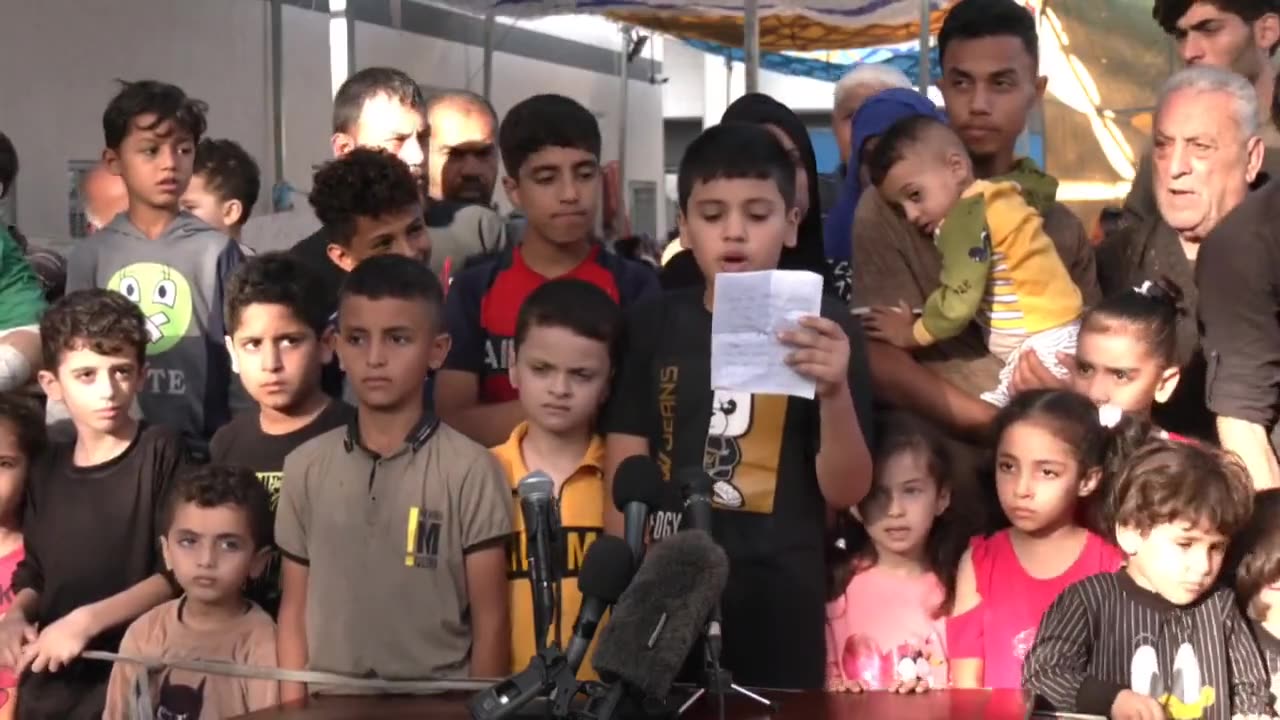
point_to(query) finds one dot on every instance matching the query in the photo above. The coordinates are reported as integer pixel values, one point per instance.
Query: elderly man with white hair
(852, 90)
(1209, 189)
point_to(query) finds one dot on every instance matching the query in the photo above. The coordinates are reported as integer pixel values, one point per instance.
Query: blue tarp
(906, 60)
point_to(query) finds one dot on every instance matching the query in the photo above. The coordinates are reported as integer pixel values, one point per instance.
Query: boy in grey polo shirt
(392, 529)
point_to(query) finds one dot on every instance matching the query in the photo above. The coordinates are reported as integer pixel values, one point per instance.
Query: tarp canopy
(816, 66)
(784, 24)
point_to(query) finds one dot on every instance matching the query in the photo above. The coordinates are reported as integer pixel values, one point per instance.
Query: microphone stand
(717, 680)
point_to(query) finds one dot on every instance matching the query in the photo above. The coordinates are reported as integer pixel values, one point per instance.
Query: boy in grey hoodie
(167, 261)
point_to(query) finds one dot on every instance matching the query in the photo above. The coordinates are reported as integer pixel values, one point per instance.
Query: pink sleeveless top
(8, 563)
(1002, 628)
(882, 620)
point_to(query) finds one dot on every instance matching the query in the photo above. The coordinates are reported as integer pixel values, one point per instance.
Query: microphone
(657, 620)
(606, 571)
(538, 508)
(696, 486)
(637, 491)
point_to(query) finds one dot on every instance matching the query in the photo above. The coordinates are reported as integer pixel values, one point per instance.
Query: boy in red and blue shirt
(551, 146)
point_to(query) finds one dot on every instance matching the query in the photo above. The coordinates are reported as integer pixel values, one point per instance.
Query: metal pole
(351, 42)
(728, 81)
(924, 81)
(342, 40)
(751, 44)
(624, 60)
(277, 86)
(490, 24)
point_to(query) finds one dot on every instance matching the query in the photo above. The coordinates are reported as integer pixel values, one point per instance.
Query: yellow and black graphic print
(744, 447)
(576, 542)
(1183, 695)
(271, 481)
(422, 546)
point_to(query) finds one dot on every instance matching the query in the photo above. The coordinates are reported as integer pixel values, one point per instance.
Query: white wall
(58, 59)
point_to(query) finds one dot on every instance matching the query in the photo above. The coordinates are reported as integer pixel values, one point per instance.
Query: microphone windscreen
(535, 485)
(638, 479)
(694, 481)
(657, 620)
(607, 569)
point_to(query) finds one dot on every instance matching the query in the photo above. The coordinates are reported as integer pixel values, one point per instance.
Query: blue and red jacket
(484, 301)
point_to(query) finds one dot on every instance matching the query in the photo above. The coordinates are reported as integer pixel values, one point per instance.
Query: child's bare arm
(61, 642)
(291, 630)
(458, 402)
(966, 672)
(488, 594)
(16, 628)
(820, 350)
(120, 686)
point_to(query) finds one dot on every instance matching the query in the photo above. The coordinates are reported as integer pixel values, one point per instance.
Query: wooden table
(939, 705)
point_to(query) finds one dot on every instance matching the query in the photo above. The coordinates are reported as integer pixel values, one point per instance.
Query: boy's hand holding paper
(767, 336)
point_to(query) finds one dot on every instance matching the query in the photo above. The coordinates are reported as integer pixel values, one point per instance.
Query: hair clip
(1109, 416)
(1145, 288)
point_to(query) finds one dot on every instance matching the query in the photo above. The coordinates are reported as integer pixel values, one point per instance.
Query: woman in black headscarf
(808, 253)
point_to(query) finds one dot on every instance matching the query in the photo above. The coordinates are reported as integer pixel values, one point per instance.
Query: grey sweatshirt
(177, 280)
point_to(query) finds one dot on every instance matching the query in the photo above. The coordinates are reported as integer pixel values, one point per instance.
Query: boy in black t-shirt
(778, 461)
(90, 529)
(276, 318)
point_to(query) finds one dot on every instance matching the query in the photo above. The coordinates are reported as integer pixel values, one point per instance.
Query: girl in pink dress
(21, 440)
(894, 568)
(1050, 454)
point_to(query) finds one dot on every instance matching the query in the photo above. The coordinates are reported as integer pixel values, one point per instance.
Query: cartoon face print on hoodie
(163, 295)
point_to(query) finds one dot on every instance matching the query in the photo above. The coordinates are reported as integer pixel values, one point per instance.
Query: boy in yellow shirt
(565, 342)
(998, 265)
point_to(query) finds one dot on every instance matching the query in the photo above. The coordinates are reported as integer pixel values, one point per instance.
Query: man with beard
(462, 164)
(462, 170)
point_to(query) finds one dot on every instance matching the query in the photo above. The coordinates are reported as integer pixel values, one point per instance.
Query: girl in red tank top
(1051, 458)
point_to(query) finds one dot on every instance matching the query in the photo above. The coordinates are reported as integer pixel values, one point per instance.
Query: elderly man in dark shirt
(1208, 185)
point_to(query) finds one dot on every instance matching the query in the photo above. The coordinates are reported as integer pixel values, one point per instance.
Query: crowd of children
(323, 471)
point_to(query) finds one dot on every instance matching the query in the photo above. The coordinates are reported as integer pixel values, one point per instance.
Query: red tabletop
(938, 705)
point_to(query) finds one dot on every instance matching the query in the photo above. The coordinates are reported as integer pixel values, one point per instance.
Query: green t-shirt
(21, 299)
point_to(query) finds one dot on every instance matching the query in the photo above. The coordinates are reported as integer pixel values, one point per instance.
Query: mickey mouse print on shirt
(1182, 692)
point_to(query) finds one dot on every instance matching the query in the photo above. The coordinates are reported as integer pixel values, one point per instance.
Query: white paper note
(750, 310)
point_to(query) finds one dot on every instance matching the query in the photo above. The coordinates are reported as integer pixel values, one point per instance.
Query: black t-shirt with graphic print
(761, 451)
(242, 443)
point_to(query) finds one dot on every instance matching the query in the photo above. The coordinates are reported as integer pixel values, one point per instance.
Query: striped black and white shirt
(1106, 634)
(1270, 646)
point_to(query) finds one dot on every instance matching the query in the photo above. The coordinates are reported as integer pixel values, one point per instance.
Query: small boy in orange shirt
(565, 343)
